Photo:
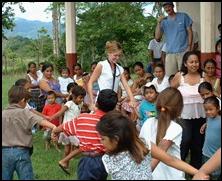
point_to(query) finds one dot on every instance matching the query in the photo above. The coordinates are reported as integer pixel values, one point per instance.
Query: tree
(8, 16)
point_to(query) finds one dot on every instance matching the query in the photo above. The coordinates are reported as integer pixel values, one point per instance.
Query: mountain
(28, 28)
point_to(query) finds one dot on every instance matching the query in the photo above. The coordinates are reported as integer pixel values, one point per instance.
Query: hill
(28, 28)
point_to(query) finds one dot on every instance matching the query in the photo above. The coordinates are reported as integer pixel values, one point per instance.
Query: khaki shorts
(173, 63)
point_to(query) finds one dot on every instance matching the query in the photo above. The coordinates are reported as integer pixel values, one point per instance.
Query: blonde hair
(113, 46)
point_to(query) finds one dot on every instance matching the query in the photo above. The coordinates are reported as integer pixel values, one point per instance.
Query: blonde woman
(109, 74)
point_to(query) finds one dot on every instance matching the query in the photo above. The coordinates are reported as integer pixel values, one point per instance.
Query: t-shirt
(173, 133)
(63, 82)
(146, 110)
(84, 128)
(156, 47)
(72, 112)
(50, 110)
(212, 136)
(163, 85)
(17, 124)
(175, 31)
(122, 167)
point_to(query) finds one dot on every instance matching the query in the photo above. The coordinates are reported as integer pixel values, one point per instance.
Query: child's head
(120, 134)
(159, 71)
(138, 68)
(107, 100)
(93, 66)
(70, 86)
(65, 72)
(191, 63)
(41, 65)
(51, 97)
(210, 67)
(126, 73)
(205, 90)
(171, 78)
(212, 107)
(23, 82)
(18, 95)
(78, 94)
(169, 106)
(150, 92)
(218, 46)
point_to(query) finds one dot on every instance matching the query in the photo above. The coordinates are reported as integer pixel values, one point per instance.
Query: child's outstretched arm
(212, 164)
(59, 113)
(164, 145)
(174, 162)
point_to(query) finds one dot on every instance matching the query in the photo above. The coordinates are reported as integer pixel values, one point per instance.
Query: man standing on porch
(177, 28)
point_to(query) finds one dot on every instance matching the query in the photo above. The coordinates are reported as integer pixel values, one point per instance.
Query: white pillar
(207, 24)
(70, 15)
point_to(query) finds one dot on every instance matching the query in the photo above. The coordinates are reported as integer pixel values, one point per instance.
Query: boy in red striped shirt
(90, 166)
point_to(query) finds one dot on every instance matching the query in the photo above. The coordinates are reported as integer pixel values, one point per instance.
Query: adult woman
(49, 83)
(210, 76)
(33, 79)
(108, 73)
(193, 114)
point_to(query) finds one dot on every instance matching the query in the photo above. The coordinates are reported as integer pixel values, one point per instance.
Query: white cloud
(34, 11)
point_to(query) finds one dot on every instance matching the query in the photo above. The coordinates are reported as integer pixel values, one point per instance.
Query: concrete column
(207, 24)
(71, 56)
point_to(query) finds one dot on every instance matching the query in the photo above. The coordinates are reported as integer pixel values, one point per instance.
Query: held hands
(54, 135)
(200, 176)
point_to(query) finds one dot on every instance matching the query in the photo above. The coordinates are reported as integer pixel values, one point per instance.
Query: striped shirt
(84, 128)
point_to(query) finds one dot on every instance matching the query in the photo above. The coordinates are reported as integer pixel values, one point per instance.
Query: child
(212, 130)
(170, 79)
(147, 107)
(205, 90)
(90, 166)
(127, 156)
(17, 123)
(71, 110)
(64, 80)
(78, 77)
(161, 80)
(50, 109)
(165, 132)
(39, 72)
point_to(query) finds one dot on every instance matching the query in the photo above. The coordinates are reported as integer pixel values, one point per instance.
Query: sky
(34, 11)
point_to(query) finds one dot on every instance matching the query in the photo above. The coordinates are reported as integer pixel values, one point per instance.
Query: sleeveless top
(34, 81)
(193, 103)
(105, 80)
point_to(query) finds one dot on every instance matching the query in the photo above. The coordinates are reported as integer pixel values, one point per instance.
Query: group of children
(127, 150)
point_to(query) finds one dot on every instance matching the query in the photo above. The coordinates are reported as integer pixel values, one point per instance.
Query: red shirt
(84, 128)
(51, 109)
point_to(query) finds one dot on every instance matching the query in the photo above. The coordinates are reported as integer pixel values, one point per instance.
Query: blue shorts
(91, 168)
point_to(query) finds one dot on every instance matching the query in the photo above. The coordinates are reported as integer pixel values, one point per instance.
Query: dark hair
(41, 63)
(47, 65)
(217, 43)
(51, 93)
(17, 93)
(160, 65)
(71, 85)
(66, 69)
(169, 105)
(31, 63)
(186, 56)
(128, 70)
(21, 82)
(140, 64)
(93, 63)
(209, 61)
(118, 127)
(78, 91)
(205, 85)
(107, 100)
(213, 100)
(77, 64)
(219, 26)
(150, 87)
(171, 77)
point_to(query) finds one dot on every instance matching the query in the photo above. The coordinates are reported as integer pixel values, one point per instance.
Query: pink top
(193, 103)
(218, 66)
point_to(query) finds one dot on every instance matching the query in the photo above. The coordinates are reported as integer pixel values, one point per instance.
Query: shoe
(64, 169)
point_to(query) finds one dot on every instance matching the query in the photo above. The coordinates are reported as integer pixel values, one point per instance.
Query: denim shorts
(16, 159)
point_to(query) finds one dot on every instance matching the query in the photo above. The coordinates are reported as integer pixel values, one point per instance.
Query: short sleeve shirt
(123, 167)
(72, 112)
(17, 124)
(175, 31)
(156, 47)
